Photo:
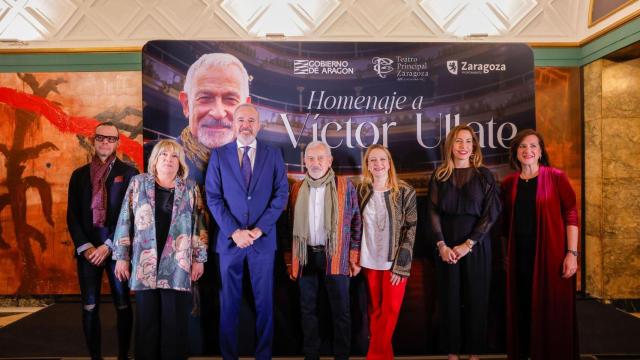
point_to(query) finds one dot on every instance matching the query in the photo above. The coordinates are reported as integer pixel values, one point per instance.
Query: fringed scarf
(301, 215)
(99, 172)
(196, 152)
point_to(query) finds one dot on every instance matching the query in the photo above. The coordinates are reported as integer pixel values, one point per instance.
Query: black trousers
(337, 286)
(90, 277)
(463, 297)
(161, 324)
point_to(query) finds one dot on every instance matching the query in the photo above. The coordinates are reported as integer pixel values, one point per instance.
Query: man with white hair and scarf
(326, 247)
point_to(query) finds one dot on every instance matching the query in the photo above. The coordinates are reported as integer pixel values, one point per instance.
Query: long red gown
(554, 332)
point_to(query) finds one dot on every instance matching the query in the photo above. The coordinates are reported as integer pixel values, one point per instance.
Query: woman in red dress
(541, 224)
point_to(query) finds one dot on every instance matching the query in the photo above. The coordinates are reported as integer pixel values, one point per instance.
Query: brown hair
(392, 179)
(515, 143)
(444, 171)
(106, 123)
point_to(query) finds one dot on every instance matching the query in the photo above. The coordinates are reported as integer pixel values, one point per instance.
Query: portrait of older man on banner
(214, 86)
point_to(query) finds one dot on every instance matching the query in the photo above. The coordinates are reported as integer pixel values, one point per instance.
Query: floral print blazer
(135, 235)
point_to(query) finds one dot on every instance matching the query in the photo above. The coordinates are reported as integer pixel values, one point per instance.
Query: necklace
(526, 178)
(380, 210)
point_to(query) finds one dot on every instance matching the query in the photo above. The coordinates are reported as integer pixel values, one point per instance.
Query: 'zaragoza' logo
(474, 68)
(382, 66)
(452, 66)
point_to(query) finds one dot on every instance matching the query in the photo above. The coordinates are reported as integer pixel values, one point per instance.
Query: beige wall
(612, 178)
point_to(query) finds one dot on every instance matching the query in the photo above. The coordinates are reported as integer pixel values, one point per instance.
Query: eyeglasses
(101, 138)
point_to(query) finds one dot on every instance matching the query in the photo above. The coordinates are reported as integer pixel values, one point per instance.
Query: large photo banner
(406, 96)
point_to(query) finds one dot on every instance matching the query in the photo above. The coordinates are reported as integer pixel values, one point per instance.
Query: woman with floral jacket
(161, 232)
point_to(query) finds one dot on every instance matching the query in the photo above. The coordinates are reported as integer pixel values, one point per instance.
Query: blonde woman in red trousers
(388, 207)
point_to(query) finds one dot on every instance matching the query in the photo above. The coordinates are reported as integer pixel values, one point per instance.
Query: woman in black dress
(463, 205)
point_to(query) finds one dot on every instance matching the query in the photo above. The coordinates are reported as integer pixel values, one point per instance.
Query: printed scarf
(301, 215)
(99, 172)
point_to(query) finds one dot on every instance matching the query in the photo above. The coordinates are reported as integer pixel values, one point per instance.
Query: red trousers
(385, 301)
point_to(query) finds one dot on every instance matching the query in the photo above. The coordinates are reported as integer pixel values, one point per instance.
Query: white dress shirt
(317, 233)
(252, 151)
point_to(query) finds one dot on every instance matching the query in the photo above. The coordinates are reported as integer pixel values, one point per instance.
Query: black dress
(525, 223)
(465, 206)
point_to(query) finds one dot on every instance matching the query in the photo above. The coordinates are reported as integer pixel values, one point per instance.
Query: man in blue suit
(247, 190)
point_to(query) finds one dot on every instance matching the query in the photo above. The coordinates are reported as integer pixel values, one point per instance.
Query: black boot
(125, 324)
(91, 328)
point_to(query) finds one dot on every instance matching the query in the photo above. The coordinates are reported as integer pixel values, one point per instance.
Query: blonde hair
(444, 171)
(392, 180)
(183, 169)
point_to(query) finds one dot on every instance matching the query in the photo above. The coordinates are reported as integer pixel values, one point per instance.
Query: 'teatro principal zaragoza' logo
(327, 67)
(403, 67)
(464, 67)
(382, 66)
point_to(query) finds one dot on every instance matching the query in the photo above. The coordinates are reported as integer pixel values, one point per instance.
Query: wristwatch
(573, 252)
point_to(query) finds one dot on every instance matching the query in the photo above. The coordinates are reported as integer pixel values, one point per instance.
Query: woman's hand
(461, 250)
(197, 269)
(122, 270)
(397, 279)
(354, 269)
(570, 266)
(447, 255)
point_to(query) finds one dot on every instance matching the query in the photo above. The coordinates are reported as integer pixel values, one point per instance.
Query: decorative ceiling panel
(85, 29)
(116, 14)
(542, 25)
(347, 25)
(52, 15)
(182, 14)
(117, 23)
(510, 12)
(23, 28)
(213, 26)
(4, 10)
(150, 28)
(291, 18)
(411, 26)
(379, 13)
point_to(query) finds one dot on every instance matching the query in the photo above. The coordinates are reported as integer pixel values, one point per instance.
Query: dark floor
(606, 333)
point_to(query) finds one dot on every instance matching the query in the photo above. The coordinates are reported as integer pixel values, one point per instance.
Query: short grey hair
(248, 106)
(217, 60)
(317, 143)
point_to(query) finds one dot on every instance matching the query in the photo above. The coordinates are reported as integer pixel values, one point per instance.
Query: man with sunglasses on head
(96, 191)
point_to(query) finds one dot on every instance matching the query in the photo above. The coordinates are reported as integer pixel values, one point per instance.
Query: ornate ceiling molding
(124, 24)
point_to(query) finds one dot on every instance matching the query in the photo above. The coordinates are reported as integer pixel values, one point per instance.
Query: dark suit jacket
(79, 214)
(234, 206)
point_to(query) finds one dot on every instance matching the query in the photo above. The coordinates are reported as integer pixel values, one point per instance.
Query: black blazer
(79, 214)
